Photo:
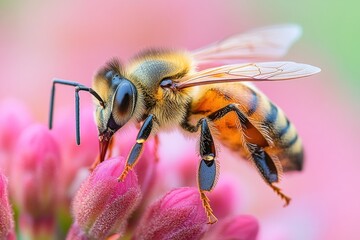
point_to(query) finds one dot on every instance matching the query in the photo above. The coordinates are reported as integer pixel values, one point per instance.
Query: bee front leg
(136, 150)
(208, 168)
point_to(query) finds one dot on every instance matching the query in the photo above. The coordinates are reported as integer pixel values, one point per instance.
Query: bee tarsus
(137, 149)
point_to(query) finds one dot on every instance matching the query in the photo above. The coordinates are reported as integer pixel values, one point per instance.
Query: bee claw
(208, 210)
(278, 191)
(123, 175)
(212, 219)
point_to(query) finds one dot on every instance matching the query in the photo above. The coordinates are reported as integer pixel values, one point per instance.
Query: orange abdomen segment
(269, 127)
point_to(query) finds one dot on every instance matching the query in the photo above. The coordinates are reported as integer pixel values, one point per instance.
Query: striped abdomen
(274, 127)
(287, 144)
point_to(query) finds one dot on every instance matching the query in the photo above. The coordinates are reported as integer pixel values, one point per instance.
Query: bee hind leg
(267, 169)
(257, 147)
(208, 168)
(137, 149)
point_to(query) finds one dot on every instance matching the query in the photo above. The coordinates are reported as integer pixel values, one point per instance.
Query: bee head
(120, 98)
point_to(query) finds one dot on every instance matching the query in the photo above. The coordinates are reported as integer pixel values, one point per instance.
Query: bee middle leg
(208, 168)
(257, 146)
(136, 150)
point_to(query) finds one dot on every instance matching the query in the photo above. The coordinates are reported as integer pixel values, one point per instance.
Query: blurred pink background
(71, 39)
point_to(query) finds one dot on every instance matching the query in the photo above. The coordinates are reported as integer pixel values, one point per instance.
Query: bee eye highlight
(166, 83)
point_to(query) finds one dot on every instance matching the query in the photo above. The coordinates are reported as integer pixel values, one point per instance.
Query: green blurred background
(332, 27)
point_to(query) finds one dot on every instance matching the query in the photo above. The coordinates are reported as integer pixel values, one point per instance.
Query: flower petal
(103, 205)
(178, 215)
(242, 227)
(36, 175)
(6, 214)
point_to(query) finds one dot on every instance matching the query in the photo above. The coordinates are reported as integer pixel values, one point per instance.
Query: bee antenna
(78, 87)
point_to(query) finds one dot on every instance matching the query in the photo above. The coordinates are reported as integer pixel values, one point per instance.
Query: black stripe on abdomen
(272, 115)
(285, 129)
(254, 102)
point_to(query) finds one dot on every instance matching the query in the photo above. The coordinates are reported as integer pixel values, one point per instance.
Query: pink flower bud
(76, 233)
(178, 215)
(6, 215)
(75, 157)
(240, 227)
(36, 172)
(103, 205)
(35, 180)
(14, 118)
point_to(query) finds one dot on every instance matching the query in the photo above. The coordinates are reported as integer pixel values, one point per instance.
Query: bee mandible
(164, 89)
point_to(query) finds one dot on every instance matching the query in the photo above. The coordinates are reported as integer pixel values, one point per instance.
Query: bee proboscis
(163, 89)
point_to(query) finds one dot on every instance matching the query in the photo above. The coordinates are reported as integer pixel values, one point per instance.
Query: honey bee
(166, 89)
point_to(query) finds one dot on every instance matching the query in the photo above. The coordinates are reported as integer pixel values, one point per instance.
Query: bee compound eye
(124, 101)
(166, 83)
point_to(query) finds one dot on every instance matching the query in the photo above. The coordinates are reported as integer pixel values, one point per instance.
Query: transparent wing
(262, 71)
(260, 44)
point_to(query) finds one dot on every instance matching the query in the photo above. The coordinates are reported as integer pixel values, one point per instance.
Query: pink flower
(35, 180)
(177, 215)
(104, 208)
(185, 173)
(235, 228)
(75, 160)
(14, 118)
(6, 215)
(103, 205)
(75, 157)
